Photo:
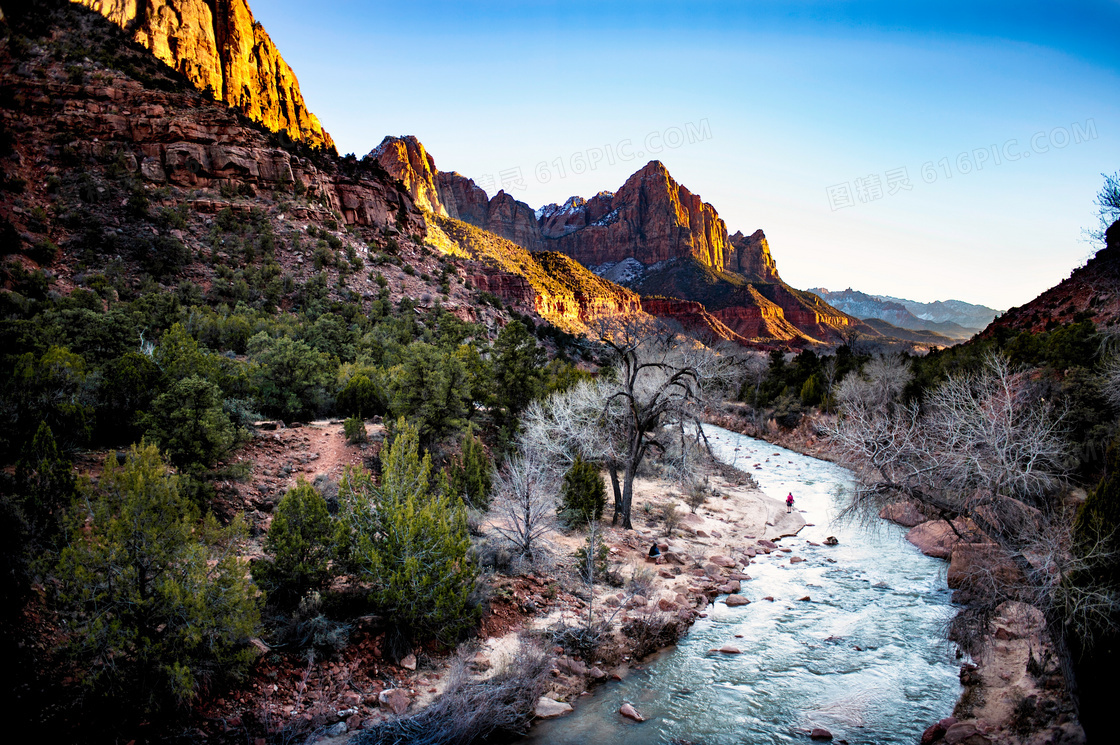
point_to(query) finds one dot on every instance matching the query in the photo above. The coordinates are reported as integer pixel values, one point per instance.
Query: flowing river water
(865, 658)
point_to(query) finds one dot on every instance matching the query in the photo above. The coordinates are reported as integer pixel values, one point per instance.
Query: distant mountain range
(954, 319)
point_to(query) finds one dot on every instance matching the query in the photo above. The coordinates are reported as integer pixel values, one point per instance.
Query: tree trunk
(617, 494)
(627, 496)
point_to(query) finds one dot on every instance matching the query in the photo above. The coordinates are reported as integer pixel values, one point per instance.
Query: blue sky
(767, 110)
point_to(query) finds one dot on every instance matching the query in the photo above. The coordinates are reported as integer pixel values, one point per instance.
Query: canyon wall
(219, 47)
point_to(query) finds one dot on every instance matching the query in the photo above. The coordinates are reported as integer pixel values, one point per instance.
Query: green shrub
(407, 268)
(355, 430)
(812, 391)
(159, 602)
(44, 252)
(583, 495)
(360, 396)
(300, 540)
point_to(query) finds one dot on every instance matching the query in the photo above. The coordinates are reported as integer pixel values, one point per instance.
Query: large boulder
(630, 712)
(936, 731)
(936, 538)
(548, 708)
(395, 699)
(981, 568)
(905, 514)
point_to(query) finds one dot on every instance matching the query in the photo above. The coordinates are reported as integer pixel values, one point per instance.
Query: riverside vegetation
(145, 338)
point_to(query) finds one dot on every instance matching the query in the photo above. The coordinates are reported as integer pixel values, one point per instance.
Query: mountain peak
(222, 49)
(406, 158)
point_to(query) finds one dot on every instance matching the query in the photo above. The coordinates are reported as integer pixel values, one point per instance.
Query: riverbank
(639, 606)
(1013, 691)
(648, 604)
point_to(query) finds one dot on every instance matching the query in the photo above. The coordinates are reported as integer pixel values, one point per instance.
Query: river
(865, 658)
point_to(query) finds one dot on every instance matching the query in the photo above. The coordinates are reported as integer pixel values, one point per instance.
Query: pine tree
(44, 485)
(190, 425)
(159, 602)
(583, 494)
(470, 472)
(410, 542)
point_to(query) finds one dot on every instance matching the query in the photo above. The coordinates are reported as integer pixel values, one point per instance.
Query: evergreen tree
(44, 485)
(583, 494)
(518, 371)
(431, 387)
(189, 423)
(360, 397)
(470, 473)
(812, 391)
(410, 542)
(300, 540)
(160, 603)
(291, 377)
(128, 383)
(31, 510)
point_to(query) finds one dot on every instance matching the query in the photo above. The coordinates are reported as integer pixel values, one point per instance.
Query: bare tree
(1110, 371)
(655, 389)
(754, 369)
(524, 508)
(830, 368)
(988, 448)
(879, 386)
(1108, 206)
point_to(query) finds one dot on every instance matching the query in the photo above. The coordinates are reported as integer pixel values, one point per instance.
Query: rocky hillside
(122, 171)
(555, 287)
(220, 48)
(894, 312)
(1091, 292)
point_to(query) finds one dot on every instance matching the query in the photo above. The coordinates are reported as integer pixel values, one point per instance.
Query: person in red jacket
(789, 503)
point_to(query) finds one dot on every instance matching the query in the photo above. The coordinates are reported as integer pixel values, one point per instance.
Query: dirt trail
(280, 456)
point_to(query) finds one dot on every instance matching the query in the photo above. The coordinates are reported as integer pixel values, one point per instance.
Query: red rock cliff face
(651, 218)
(406, 159)
(186, 140)
(219, 46)
(693, 317)
(448, 194)
(514, 221)
(462, 198)
(751, 257)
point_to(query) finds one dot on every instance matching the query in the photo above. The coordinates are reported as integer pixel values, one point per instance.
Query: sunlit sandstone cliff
(653, 236)
(218, 46)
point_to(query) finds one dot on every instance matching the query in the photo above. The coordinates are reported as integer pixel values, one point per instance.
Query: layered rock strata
(220, 48)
